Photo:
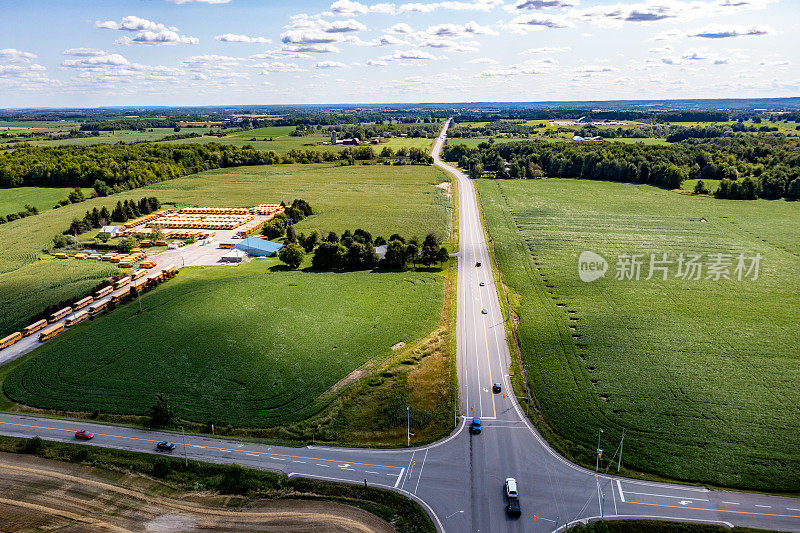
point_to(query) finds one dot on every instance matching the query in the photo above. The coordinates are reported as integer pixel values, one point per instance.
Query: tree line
(749, 167)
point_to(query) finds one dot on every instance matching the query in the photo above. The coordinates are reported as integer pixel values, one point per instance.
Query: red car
(84, 435)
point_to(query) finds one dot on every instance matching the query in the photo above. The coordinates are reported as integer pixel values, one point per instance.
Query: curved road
(459, 480)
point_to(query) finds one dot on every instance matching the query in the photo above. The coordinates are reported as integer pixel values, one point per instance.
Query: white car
(511, 487)
(482, 284)
(484, 311)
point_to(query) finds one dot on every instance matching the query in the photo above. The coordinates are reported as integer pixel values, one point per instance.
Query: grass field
(242, 346)
(14, 200)
(380, 199)
(702, 374)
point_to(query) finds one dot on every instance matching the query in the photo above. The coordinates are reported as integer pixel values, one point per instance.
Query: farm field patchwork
(244, 345)
(701, 374)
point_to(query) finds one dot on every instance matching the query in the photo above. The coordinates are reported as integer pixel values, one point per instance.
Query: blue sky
(59, 53)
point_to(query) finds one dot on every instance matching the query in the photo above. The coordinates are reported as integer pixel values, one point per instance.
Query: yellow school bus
(122, 282)
(121, 294)
(104, 291)
(138, 284)
(169, 270)
(147, 264)
(138, 274)
(77, 317)
(5, 342)
(33, 328)
(80, 304)
(61, 256)
(58, 315)
(97, 307)
(50, 332)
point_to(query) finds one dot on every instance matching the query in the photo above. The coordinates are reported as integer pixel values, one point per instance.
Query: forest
(748, 167)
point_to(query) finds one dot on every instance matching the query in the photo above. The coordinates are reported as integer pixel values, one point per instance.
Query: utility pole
(598, 452)
(185, 458)
(621, 442)
(408, 426)
(139, 296)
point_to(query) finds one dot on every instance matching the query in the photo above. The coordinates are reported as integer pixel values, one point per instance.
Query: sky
(91, 53)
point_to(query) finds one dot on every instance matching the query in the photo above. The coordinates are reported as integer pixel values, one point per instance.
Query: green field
(14, 200)
(234, 345)
(380, 199)
(702, 374)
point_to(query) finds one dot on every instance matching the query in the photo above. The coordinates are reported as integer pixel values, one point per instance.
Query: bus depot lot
(190, 255)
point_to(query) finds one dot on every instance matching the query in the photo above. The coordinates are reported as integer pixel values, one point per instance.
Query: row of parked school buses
(119, 291)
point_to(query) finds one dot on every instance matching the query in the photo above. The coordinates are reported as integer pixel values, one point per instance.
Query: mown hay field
(248, 346)
(701, 374)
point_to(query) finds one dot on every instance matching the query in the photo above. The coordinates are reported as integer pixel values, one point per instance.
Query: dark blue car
(165, 446)
(476, 426)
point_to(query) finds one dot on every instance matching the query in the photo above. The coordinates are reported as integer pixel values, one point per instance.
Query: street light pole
(408, 426)
(621, 442)
(597, 452)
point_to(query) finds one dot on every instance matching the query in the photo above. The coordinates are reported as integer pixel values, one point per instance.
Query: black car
(478, 264)
(165, 446)
(496, 388)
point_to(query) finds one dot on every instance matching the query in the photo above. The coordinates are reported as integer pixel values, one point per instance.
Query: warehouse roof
(255, 246)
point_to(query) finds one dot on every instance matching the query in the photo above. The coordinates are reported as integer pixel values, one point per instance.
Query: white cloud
(429, 7)
(237, 38)
(93, 62)
(545, 50)
(482, 61)
(83, 52)
(330, 64)
(377, 63)
(718, 31)
(325, 48)
(409, 55)
(401, 28)
(133, 23)
(12, 55)
(279, 66)
(348, 8)
(148, 32)
(525, 23)
(388, 40)
(542, 4)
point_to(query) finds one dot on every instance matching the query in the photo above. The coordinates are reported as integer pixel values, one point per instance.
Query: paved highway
(459, 480)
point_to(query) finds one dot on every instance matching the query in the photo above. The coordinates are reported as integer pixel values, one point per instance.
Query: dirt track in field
(39, 494)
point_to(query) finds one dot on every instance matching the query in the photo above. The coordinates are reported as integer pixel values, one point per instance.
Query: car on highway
(484, 311)
(497, 388)
(513, 508)
(482, 284)
(511, 488)
(84, 435)
(476, 426)
(165, 446)
(478, 263)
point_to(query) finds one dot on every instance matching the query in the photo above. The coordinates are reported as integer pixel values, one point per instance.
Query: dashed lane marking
(281, 457)
(668, 496)
(718, 510)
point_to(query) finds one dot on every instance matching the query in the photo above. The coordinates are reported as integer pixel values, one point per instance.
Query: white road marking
(370, 472)
(621, 494)
(665, 496)
(792, 509)
(277, 458)
(299, 462)
(252, 454)
(764, 506)
(399, 477)
(731, 503)
(420, 471)
(326, 466)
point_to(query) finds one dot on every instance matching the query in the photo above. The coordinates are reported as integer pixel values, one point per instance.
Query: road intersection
(459, 480)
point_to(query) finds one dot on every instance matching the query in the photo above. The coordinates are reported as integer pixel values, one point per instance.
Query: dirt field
(43, 495)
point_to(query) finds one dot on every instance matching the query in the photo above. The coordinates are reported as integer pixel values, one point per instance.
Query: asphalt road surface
(459, 480)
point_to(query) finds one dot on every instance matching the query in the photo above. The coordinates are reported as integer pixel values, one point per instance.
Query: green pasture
(701, 374)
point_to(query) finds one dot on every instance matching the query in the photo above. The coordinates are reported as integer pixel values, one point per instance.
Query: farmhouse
(110, 231)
